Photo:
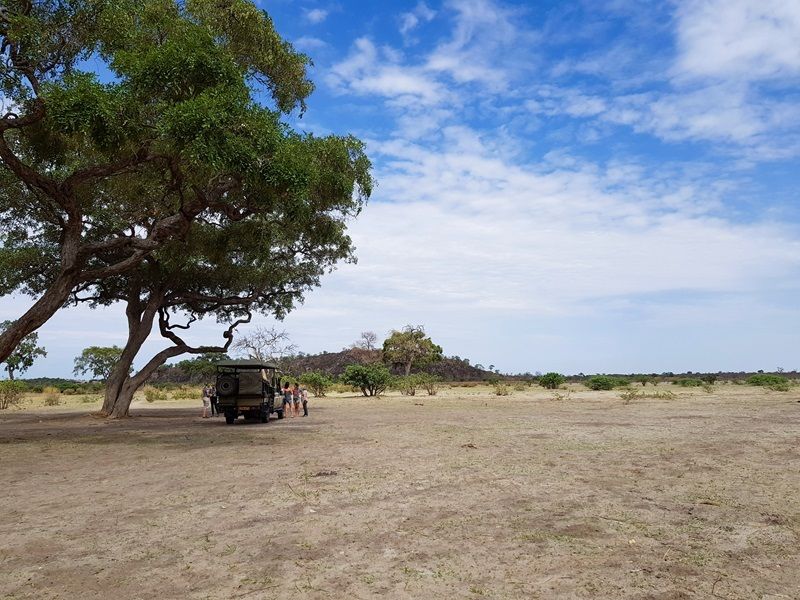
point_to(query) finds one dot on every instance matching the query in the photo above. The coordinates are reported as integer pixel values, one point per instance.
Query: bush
(501, 389)
(10, 393)
(688, 382)
(519, 386)
(372, 380)
(430, 383)
(52, 397)
(70, 391)
(407, 385)
(152, 394)
(184, 392)
(601, 382)
(551, 381)
(318, 383)
(629, 395)
(767, 380)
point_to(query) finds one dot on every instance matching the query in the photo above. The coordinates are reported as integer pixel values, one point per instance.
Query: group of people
(293, 397)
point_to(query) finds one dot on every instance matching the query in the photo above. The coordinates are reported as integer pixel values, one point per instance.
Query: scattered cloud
(410, 20)
(315, 15)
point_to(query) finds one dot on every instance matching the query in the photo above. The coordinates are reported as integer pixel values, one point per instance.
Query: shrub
(430, 383)
(69, 391)
(184, 392)
(407, 385)
(10, 393)
(767, 380)
(52, 397)
(551, 381)
(628, 395)
(519, 386)
(152, 394)
(782, 386)
(372, 379)
(601, 382)
(501, 389)
(318, 383)
(688, 382)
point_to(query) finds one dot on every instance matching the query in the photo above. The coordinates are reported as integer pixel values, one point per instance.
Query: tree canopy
(103, 167)
(97, 361)
(410, 347)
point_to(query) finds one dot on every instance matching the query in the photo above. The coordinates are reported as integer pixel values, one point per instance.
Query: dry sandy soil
(465, 495)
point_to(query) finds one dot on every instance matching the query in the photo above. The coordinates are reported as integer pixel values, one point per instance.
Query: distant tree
(367, 341)
(97, 361)
(479, 366)
(410, 347)
(372, 379)
(491, 367)
(551, 381)
(24, 355)
(317, 382)
(267, 344)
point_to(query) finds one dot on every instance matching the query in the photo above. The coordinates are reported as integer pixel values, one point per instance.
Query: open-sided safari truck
(248, 387)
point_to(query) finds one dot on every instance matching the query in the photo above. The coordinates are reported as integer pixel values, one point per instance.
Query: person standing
(287, 400)
(304, 396)
(206, 400)
(297, 398)
(212, 390)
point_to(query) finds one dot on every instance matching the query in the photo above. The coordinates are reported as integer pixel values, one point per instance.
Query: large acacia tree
(101, 171)
(263, 261)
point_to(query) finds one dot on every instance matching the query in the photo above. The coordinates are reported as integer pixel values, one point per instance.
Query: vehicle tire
(227, 385)
(230, 417)
(280, 414)
(264, 416)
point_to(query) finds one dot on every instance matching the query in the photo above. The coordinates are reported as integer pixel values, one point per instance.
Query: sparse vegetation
(688, 382)
(52, 396)
(152, 394)
(501, 389)
(10, 393)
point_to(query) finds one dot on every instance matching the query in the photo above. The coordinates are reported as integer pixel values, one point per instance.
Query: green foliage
(688, 382)
(189, 123)
(407, 384)
(97, 361)
(766, 380)
(11, 393)
(601, 382)
(318, 383)
(24, 355)
(551, 381)
(372, 379)
(430, 383)
(410, 348)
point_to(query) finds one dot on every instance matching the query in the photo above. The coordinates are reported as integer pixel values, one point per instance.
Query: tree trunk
(408, 368)
(140, 324)
(38, 314)
(10, 372)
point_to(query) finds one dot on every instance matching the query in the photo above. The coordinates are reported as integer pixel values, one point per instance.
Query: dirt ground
(463, 495)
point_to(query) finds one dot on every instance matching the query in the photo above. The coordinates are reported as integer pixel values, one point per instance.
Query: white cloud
(316, 15)
(369, 70)
(738, 39)
(309, 43)
(410, 20)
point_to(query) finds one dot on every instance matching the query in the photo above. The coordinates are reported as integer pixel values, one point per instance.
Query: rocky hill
(334, 363)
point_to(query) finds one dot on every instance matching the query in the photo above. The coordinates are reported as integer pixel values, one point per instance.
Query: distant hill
(334, 363)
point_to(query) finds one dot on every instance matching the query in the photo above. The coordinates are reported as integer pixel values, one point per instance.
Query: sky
(562, 186)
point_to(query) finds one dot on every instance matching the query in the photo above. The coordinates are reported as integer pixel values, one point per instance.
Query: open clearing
(466, 496)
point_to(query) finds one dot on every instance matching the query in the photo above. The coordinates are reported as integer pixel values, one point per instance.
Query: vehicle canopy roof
(245, 364)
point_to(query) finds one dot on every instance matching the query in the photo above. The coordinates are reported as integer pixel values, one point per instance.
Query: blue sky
(582, 187)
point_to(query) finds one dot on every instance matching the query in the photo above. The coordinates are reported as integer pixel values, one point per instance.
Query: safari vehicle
(248, 387)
